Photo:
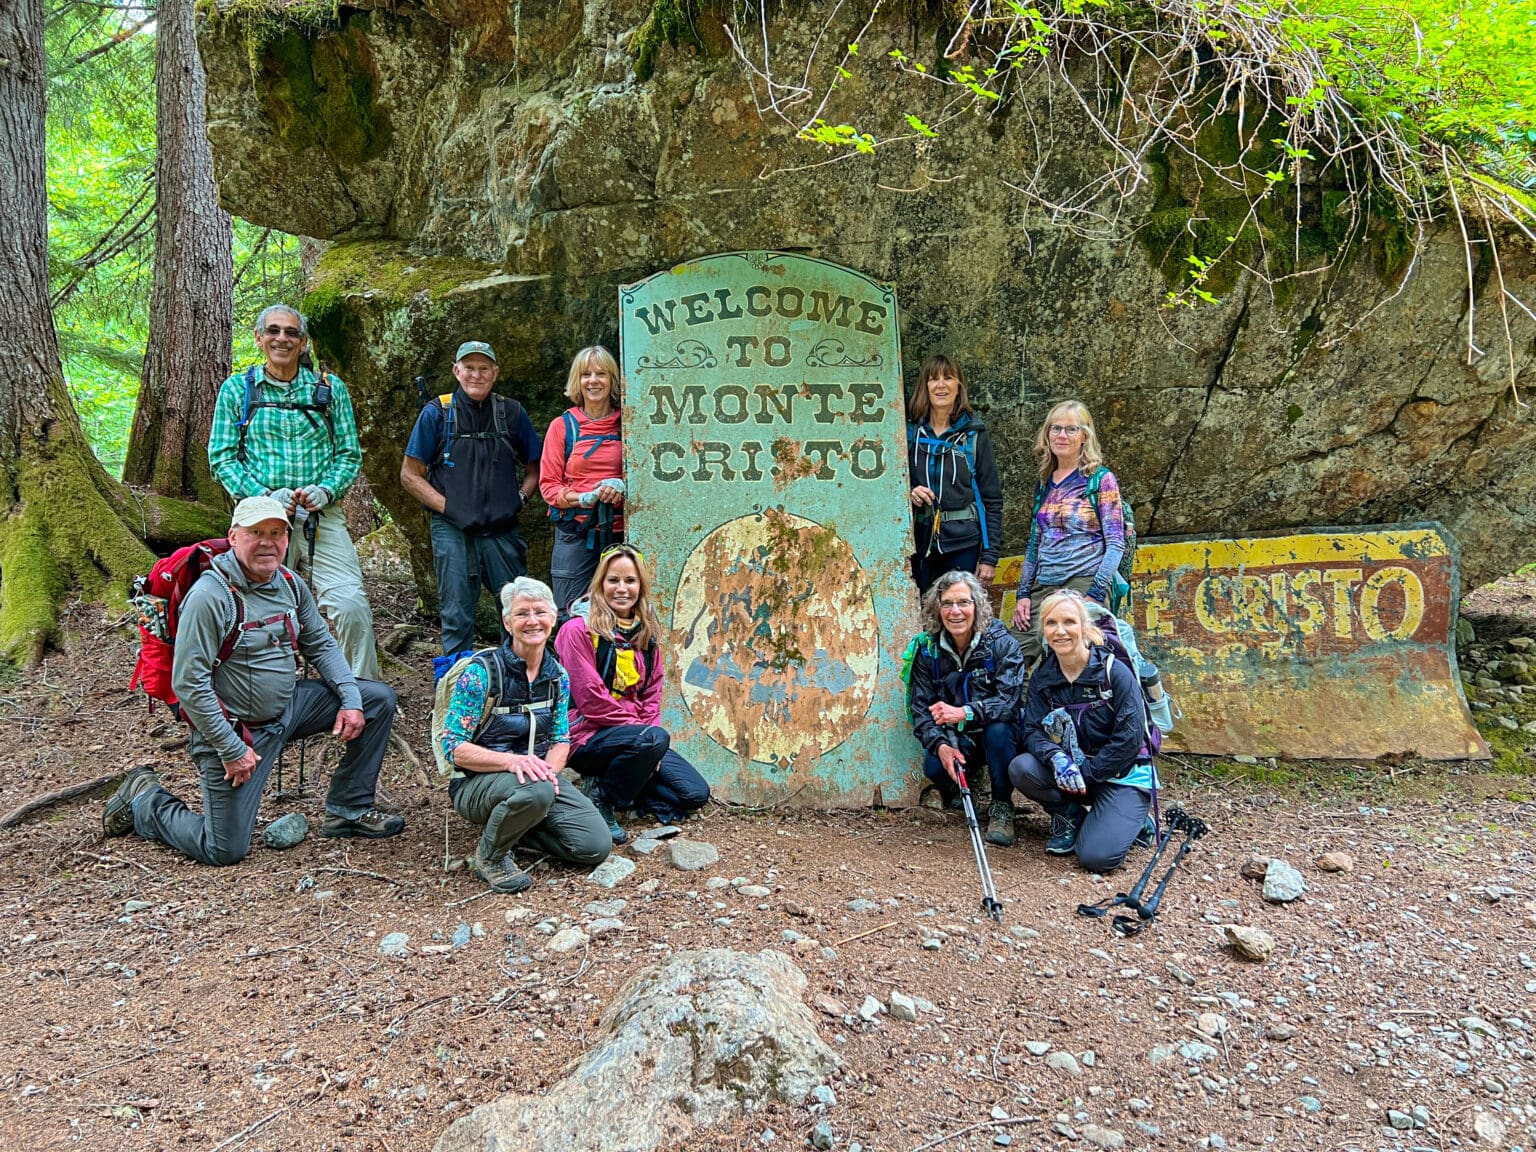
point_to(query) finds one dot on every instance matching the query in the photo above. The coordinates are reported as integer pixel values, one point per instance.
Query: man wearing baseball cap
(470, 461)
(241, 629)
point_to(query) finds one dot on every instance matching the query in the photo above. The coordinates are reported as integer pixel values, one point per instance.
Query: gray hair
(526, 588)
(932, 621)
(261, 318)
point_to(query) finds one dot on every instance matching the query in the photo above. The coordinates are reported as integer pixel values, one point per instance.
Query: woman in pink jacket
(581, 473)
(613, 657)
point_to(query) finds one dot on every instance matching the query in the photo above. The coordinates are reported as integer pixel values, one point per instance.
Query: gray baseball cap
(471, 347)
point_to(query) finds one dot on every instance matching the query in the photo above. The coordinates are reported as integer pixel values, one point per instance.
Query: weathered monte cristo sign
(1318, 645)
(764, 445)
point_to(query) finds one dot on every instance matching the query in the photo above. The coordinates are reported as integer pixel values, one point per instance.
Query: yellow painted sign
(1327, 644)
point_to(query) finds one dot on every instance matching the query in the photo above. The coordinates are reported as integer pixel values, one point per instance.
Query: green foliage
(101, 171)
(669, 22)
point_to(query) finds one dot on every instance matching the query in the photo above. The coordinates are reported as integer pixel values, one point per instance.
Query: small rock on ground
(821, 1135)
(1064, 1062)
(1249, 943)
(1336, 862)
(1255, 866)
(903, 1007)
(692, 855)
(286, 831)
(394, 944)
(567, 940)
(1101, 1137)
(1282, 883)
(611, 871)
(1037, 1047)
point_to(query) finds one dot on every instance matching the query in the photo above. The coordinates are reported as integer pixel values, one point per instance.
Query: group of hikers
(577, 680)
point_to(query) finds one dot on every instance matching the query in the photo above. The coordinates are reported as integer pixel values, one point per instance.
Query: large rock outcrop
(498, 170)
(685, 1045)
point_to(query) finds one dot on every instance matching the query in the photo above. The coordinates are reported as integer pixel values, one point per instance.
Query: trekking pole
(989, 901)
(1194, 828)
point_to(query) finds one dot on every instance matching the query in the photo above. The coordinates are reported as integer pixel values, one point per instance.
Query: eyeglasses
(280, 330)
(956, 605)
(1065, 429)
(524, 614)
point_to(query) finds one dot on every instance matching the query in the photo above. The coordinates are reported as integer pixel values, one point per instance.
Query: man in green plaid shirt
(299, 446)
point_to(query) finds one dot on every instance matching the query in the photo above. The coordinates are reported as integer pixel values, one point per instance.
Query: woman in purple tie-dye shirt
(1072, 543)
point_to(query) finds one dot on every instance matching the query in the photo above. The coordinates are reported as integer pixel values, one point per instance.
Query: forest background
(151, 288)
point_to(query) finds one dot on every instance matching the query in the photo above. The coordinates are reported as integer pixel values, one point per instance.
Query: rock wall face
(496, 171)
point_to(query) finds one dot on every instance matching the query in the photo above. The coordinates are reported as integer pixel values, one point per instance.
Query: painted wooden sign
(764, 445)
(1325, 644)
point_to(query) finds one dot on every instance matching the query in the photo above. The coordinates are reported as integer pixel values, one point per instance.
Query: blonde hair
(1092, 633)
(602, 621)
(937, 365)
(581, 362)
(1093, 455)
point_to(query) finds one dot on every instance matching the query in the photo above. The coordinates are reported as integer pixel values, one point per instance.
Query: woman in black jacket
(1086, 760)
(957, 497)
(966, 675)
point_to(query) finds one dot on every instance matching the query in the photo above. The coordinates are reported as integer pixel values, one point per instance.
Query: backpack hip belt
(957, 515)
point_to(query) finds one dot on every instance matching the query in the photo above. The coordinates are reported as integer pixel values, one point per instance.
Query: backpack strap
(970, 463)
(252, 400)
(245, 410)
(1094, 481)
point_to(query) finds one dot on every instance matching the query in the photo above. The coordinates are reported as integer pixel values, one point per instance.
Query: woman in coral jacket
(613, 656)
(581, 473)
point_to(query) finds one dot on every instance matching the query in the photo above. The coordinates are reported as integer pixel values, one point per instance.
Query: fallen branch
(358, 872)
(17, 815)
(973, 1128)
(871, 932)
(250, 1129)
(421, 773)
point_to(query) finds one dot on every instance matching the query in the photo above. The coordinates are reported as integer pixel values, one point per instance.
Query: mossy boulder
(498, 171)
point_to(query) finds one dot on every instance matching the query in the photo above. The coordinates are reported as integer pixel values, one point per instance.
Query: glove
(316, 496)
(612, 482)
(283, 496)
(1068, 778)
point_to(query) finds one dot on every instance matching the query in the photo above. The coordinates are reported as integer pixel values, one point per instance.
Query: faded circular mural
(778, 642)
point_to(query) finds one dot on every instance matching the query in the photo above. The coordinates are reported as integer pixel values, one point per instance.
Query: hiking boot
(502, 874)
(117, 816)
(1147, 837)
(1064, 826)
(604, 807)
(1000, 824)
(371, 825)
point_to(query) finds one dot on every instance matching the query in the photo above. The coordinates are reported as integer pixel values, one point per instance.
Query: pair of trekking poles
(1145, 911)
(310, 530)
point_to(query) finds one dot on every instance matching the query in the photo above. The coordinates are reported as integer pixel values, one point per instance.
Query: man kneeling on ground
(507, 733)
(245, 709)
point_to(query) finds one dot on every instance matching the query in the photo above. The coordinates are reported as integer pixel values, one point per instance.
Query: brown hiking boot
(502, 874)
(117, 816)
(371, 825)
(1000, 824)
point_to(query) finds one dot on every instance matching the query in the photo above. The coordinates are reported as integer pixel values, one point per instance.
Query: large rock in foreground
(497, 172)
(681, 1047)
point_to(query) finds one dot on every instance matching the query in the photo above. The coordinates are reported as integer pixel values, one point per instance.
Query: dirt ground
(149, 1003)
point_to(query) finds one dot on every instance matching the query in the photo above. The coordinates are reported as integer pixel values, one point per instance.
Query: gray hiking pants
(221, 834)
(1115, 815)
(566, 826)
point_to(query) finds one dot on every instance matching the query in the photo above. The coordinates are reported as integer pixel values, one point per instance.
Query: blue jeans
(463, 563)
(999, 745)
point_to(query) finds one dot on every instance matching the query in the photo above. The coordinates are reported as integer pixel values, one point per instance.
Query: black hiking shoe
(371, 825)
(117, 816)
(1000, 824)
(502, 874)
(604, 807)
(1147, 837)
(1064, 826)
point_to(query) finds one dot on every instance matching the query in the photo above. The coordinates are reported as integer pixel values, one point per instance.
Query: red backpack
(158, 598)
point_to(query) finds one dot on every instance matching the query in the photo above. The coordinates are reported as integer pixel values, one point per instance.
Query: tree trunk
(66, 523)
(188, 352)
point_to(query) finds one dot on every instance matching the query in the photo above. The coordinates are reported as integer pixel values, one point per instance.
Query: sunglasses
(280, 330)
(622, 550)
